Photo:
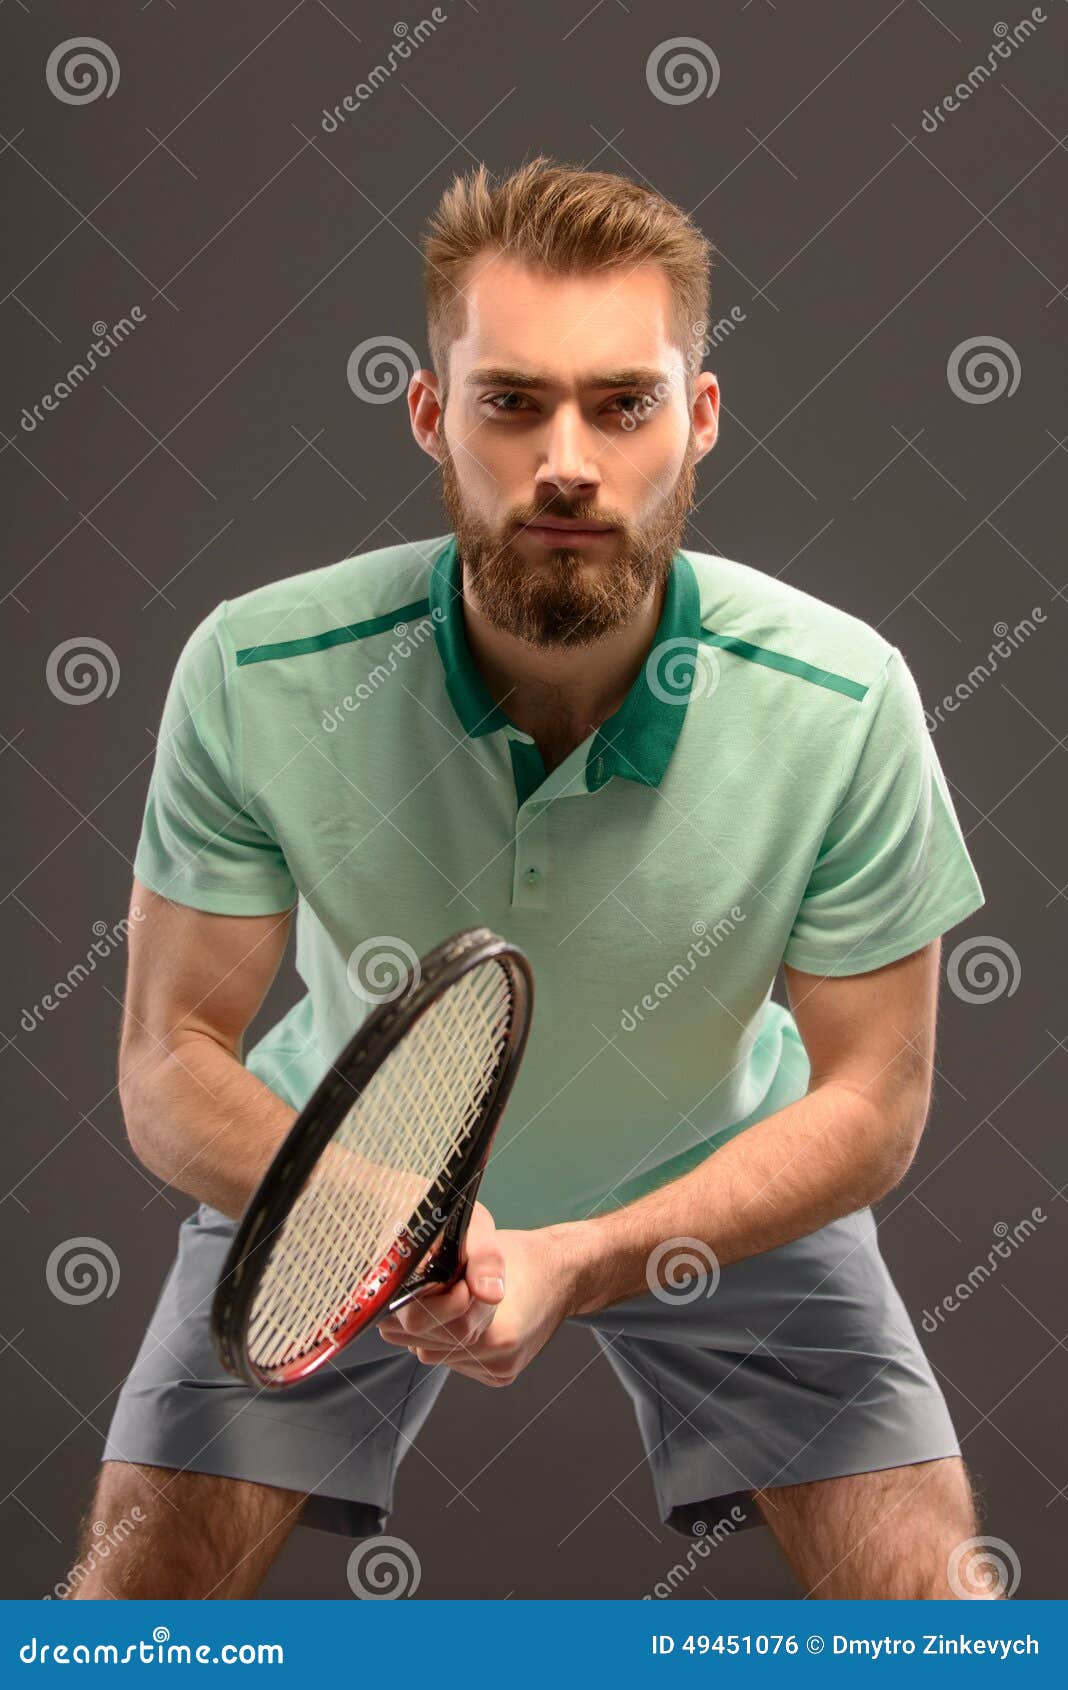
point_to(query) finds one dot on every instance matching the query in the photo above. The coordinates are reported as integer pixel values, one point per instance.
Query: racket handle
(447, 1263)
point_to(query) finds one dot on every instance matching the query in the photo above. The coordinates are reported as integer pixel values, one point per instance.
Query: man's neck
(561, 694)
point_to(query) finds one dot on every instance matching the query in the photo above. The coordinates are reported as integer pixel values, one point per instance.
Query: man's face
(568, 447)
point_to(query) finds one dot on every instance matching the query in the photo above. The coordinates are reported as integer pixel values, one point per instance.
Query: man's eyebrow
(639, 375)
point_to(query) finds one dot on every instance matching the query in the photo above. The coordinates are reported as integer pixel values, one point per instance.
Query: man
(663, 774)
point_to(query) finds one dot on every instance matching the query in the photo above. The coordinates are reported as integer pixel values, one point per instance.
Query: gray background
(222, 446)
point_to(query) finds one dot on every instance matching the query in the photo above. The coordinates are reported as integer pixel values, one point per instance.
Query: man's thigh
(153, 1532)
(888, 1535)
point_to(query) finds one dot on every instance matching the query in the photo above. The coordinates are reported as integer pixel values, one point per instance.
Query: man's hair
(561, 220)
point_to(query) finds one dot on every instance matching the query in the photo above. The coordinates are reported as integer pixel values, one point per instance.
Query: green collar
(638, 741)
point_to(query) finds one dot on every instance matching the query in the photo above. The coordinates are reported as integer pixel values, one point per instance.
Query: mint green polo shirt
(767, 792)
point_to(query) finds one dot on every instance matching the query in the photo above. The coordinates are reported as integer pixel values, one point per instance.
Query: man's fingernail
(491, 1282)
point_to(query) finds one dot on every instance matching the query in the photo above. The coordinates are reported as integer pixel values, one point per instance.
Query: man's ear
(426, 411)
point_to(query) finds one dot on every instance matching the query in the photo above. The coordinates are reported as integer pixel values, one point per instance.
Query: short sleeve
(200, 842)
(893, 871)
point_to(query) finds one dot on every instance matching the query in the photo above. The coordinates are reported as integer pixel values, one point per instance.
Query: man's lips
(550, 525)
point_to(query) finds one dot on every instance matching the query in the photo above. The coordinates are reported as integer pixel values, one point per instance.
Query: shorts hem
(243, 1447)
(717, 1506)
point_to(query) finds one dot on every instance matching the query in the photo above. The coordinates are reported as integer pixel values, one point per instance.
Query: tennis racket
(367, 1201)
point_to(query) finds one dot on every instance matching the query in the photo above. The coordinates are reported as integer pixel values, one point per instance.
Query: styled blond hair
(561, 219)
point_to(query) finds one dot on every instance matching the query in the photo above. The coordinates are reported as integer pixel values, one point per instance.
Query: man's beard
(573, 597)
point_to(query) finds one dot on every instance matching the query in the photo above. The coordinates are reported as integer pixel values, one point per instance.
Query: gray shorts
(801, 1364)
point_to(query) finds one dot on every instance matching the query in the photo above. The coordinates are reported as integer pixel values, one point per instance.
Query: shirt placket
(532, 857)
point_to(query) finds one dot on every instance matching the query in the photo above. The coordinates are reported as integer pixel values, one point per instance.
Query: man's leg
(179, 1534)
(875, 1535)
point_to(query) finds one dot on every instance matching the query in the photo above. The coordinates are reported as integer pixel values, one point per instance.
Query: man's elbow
(142, 1088)
(900, 1137)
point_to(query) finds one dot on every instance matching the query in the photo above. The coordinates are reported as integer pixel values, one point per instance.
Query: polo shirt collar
(638, 741)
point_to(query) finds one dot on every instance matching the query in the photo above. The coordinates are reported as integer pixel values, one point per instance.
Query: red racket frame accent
(387, 1280)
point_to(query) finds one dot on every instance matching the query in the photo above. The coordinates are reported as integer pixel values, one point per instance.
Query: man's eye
(636, 405)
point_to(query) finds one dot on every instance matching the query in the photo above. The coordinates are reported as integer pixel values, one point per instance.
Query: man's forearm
(828, 1154)
(200, 1121)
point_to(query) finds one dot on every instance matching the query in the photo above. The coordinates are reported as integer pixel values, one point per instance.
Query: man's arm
(849, 1140)
(194, 1115)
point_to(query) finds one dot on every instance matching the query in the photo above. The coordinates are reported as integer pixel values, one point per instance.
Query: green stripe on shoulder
(335, 636)
(788, 665)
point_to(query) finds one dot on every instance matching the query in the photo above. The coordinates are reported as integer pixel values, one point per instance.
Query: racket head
(302, 1277)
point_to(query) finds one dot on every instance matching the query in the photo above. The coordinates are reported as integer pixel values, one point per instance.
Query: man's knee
(155, 1532)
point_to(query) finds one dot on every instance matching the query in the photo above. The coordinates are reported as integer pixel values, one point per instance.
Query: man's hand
(514, 1294)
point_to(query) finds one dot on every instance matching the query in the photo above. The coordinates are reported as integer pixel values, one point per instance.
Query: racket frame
(396, 1280)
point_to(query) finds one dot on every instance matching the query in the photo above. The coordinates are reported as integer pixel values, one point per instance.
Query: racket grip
(454, 1237)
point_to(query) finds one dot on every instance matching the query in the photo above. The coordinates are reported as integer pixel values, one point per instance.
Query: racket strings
(401, 1133)
(429, 1143)
(371, 1214)
(336, 1215)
